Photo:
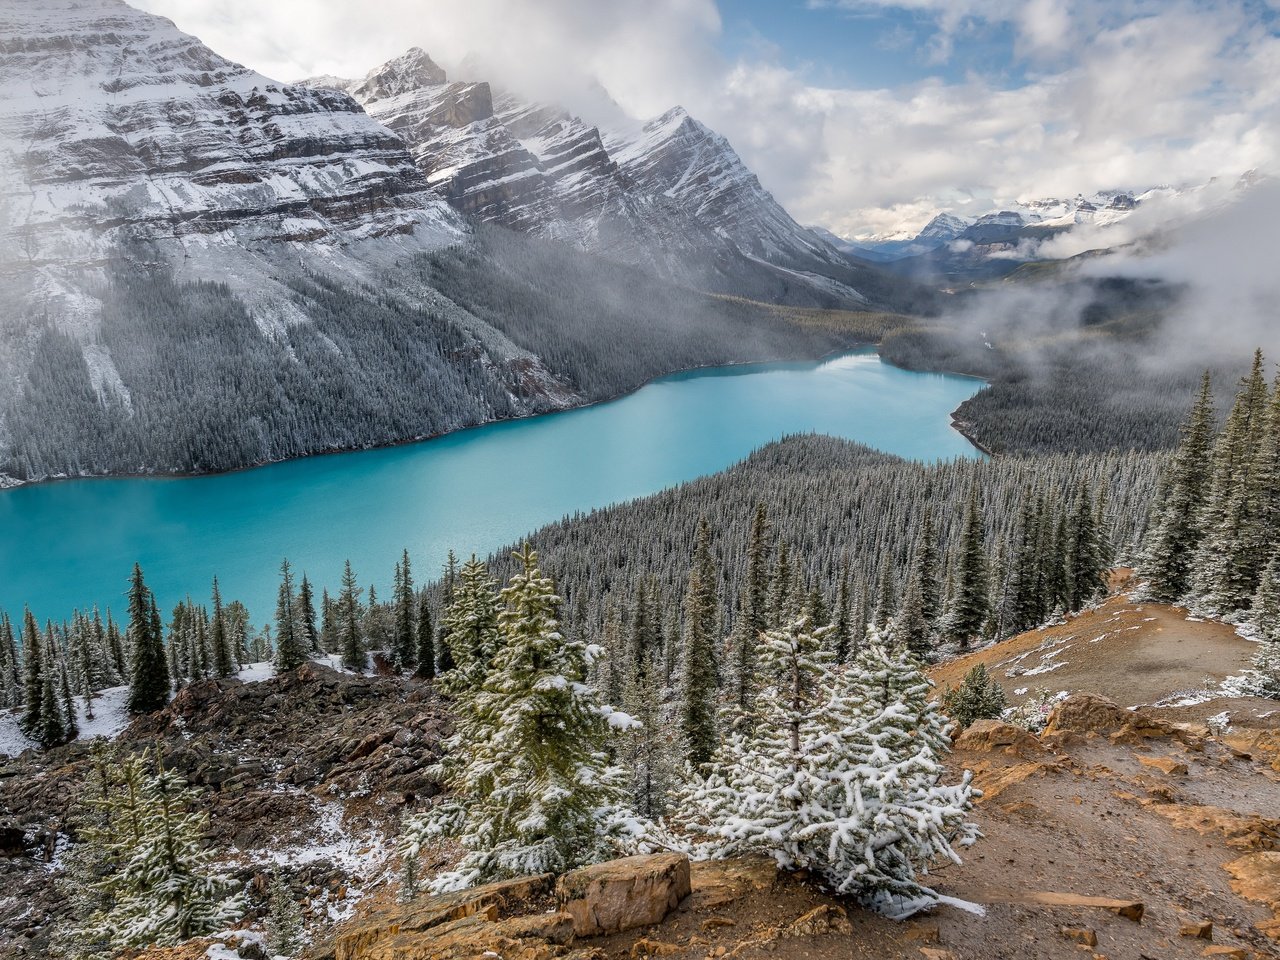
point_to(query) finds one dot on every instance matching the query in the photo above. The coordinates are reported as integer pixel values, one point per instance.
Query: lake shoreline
(12, 483)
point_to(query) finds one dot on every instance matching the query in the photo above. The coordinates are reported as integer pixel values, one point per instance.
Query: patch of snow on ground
(109, 718)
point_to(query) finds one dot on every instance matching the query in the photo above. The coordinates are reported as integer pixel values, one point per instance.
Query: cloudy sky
(864, 116)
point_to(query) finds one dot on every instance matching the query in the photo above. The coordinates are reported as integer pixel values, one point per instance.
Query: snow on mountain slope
(113, 122)
(672, 197)
(675, 156)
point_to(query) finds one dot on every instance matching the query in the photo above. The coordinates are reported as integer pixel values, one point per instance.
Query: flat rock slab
(623, 894)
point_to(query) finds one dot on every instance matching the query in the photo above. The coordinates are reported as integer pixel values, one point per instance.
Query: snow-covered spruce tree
(471, 628)
(404, 641)
(531, 787)
(348, 617)
(840, 774)
(156, 884)
(307, 617)
(1264, 678)
(284, 919)
(979, 697)
(651, 750)
(32, 674)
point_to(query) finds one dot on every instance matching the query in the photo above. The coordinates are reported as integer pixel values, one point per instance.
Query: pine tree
(52, 727)
(33, 674)
(158, 886)
(405, 641)
(10, 665)
(753, 612)
(426, 641)
(1177, 526)
(284, 919)
(149, 685)
(447, 583)
(291, 645)
(1265, 611)
(970, 607)
(531, 788)
(224, 659)
(979, 697)
(827, 779)
(353, 656)
(650, 750)
(471, 628)
(1228, 560)
(910, 628)
(308, 634)
(698, 681)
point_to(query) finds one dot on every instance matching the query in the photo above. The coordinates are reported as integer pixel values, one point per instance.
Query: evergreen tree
(1265, 612)
(149, 685)
(291, 644)
(753, 612)
(308, 634)
(970, 606)
(404, 642)
(284, 919)
(471, 628)
(910, 628)
(158, 886)
(698, 680)
(828, 780)
(426, 640)
(448, 581)
(650, 751)
(531, 788)
(224, 656)
(979, 697)
(32, 675)
(10, 665)
(1229, 560)
(353, 656)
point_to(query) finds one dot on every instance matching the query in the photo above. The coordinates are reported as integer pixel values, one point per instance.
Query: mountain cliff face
(672, 197)
(116, 123)
(201, 268)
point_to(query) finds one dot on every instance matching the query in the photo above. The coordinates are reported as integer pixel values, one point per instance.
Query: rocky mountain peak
(407, 73)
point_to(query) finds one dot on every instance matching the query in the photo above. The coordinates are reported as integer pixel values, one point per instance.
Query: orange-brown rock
(1166, 765)
(988, 735)
(1257, 877)
(405, 923)
(1227, 952)
(1082, 935)
(1243, 831)
(1087, 713)
(623, 894)
(1197, 930)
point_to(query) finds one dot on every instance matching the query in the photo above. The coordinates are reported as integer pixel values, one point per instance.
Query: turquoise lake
(73, 543)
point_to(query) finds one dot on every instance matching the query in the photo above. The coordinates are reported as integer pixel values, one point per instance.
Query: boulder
(1197, 930)
(988, 735)
(398, 930)
(623, 894)
(1087, 713)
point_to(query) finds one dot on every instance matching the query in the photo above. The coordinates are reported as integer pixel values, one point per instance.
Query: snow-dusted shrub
(531, 787)
(838, 772)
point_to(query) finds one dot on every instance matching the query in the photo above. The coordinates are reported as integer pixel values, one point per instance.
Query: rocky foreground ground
(1119, 832)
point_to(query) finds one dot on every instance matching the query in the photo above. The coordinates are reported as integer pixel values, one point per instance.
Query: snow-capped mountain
(114, 123)
(670, 195)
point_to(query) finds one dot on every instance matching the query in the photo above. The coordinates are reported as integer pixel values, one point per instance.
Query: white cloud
(1121, 94)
